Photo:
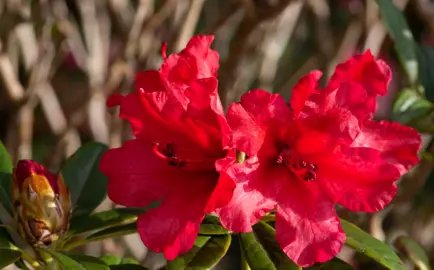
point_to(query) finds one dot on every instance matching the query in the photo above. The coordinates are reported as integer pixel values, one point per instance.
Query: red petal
(225, 186)
(257, 112)
(162, 229)
(247, 136)
(265, 107)
(253, 197)
(307, 227)
(373, 75)
(114, 100)
(208, 59)
(357, 178)
(196, 61)
(25, 168)
(398, 144)
(136, 175)
(302, 90)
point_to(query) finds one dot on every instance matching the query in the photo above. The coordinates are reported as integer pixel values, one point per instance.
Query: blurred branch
(264, 12)
(189, 25)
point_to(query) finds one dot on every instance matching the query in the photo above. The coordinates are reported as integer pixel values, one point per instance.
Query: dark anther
(309, 176)
(312, 167)
(302, 164)
(169, 150)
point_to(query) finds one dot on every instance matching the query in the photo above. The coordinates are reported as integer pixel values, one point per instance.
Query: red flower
(180, 151)
(322, 150)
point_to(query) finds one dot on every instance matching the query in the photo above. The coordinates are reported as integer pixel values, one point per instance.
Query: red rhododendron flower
(180, 152)
(321, 150)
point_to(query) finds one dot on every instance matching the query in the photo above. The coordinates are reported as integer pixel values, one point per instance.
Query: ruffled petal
(258, 112)
(196, 61)
(357, 178)
(254, 195)
(397, 144)
(302, 90)
(163, 229)
(136, 175)
(307, 226)
(373, 75)
(265, 107)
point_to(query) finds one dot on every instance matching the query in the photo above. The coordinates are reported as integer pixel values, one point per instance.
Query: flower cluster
(301, 159)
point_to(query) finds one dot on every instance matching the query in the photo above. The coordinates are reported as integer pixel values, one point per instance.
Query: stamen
(297, 165)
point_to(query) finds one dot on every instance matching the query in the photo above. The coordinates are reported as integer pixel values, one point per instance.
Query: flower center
(185, 158)
(294, 162)
(169, 154)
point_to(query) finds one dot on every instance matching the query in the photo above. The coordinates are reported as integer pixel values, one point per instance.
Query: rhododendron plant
(180, 152)
(324, 148)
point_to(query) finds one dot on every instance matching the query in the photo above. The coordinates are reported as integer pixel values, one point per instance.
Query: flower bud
(41, 203)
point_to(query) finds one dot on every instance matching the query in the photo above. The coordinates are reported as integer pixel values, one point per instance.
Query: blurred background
(61, 59)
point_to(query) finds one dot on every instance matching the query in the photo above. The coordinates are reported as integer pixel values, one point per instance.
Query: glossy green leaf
(129, 261)
(410, 106)
(211, 226)
(206, 252)
(5, 179)
(65, 261)
(412, 251)
(405, 45)
(8, 256)
(333, 264)
(266, 235)
(113, 232)
(111, 259)
(128, 267)
(87, 184)
(254, 253)
(369, 246)
(106, 219)
(88, 262)
(426, 58)
(114, 260)
(5, 160)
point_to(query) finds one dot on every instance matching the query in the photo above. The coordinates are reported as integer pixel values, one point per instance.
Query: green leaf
(128, 267)
(114, 260)
(5, 160)
(426, 58)
(413, 251)
(266, 235)
(65, 261)
(206, 252)
(8, 256)
(111, 259)
(113, 232)
(254, 253)
(405, 45)
(88, 262)
(410, 106)
(87, 184)
(129, 261)
(211, 226)
(106, 219)
(333, 264)
(369, 246)
(5, 178)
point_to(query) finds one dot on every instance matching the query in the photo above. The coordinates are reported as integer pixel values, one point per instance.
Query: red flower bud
(41, 201)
